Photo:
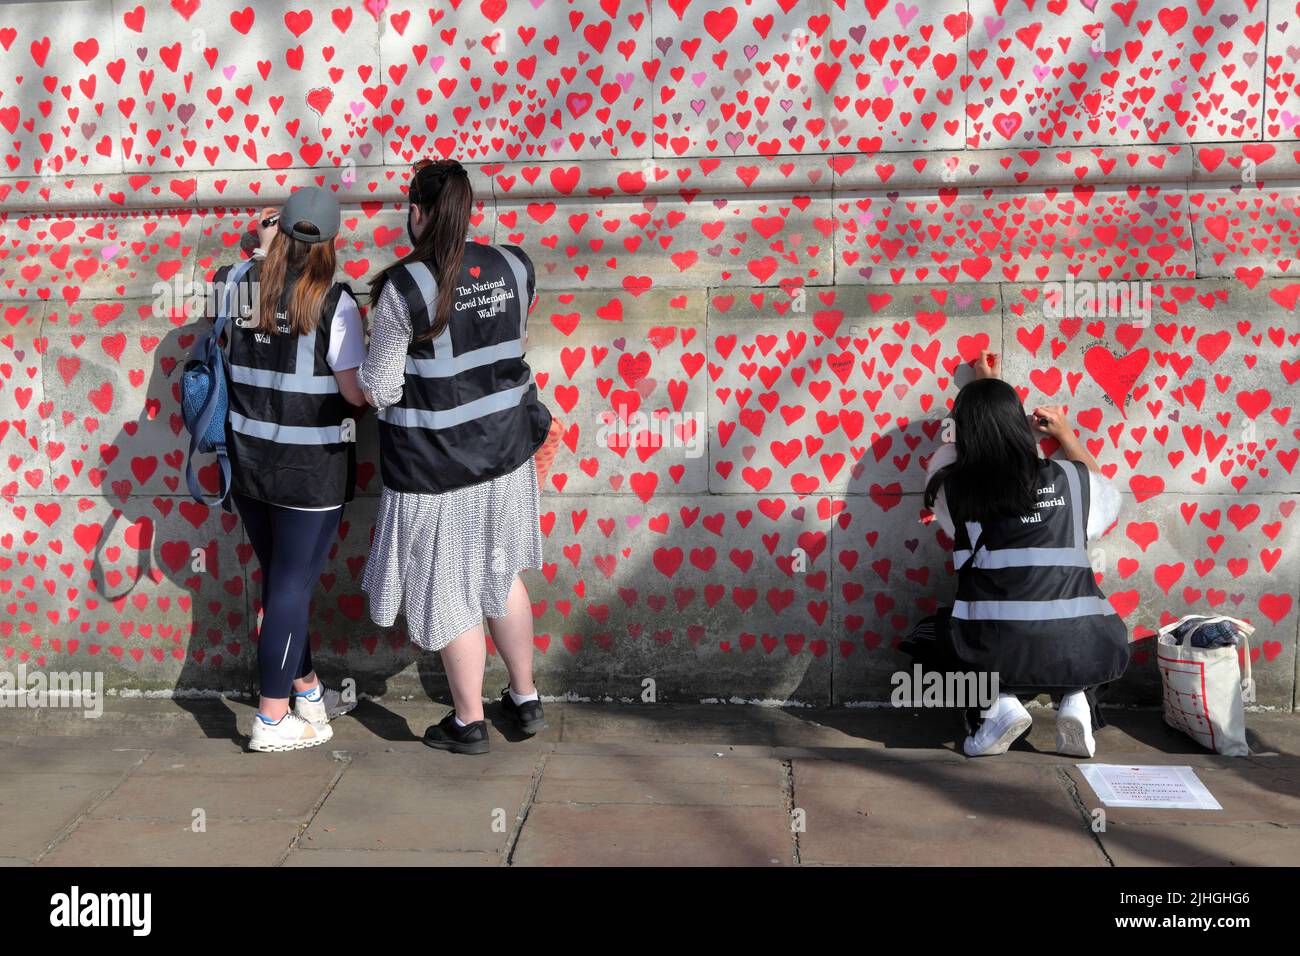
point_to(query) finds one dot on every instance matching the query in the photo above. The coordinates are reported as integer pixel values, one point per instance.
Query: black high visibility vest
(469, 410)
(285, 433)
(1028, 606)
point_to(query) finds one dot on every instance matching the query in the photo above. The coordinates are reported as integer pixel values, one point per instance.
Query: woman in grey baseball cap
(294, 354)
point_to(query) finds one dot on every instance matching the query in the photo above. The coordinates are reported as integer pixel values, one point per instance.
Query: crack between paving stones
(44, 354)
(68, 829)
(787, 787)
(345, 758)
(1209, 824)
(1072, 790)
(512, 840)
(970, 76)
(1263, 75)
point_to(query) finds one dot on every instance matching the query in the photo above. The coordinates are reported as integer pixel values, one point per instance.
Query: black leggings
(291, 547)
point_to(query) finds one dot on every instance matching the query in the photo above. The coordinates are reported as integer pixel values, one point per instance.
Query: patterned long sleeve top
(382, 373)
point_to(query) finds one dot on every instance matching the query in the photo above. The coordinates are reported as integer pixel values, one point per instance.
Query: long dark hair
(312, 267)
(996, 471)
(443, 194)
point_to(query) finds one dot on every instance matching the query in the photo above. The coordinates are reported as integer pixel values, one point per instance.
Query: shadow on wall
(201, 554)
(184, 551)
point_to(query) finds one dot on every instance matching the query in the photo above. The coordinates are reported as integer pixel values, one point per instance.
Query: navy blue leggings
(291, 547)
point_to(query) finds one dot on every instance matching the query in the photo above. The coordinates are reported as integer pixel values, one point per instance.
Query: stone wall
(781, 226)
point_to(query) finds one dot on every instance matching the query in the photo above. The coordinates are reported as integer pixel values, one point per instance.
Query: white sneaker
(335, 705)
(311, 707)
(998, 732)
(290, 732)
(1074, 727)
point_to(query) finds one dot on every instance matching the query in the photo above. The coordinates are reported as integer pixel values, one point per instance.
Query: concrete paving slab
(632, 835)
(370, 810)
(934, 817)
(278, 793)
(347, 859)
(422, 765)
(37, 807)
(1248, 793)
(710, 780)
(164, 843)
(58, 760)
(1189, 845)
(865, 771)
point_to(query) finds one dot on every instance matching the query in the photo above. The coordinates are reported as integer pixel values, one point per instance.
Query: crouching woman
(1028, 608)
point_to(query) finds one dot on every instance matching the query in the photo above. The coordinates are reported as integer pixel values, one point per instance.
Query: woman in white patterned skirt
(459, 422)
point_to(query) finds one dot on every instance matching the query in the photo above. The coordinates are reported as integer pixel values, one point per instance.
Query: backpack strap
(214, 359)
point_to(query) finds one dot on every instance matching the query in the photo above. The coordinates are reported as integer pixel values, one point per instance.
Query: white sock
(1004, 703)
(458, 722)
(1078, 700)
(522, 698)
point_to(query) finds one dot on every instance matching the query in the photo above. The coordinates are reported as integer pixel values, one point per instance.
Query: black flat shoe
(528, 716)
(445, 735)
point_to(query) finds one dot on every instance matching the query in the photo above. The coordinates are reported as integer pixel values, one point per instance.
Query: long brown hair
(444, 195)
(313, 264)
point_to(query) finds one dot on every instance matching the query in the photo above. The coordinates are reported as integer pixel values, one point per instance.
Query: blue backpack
(203, 395)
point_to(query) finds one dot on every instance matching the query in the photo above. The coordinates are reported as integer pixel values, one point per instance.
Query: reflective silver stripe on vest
(286, 434)
(1031, 610)
(447, 367)
(1076, 505)
(1024, 558)
(302, 380)
(450, 417)
(974, 531)
(1002, 558)
(427, 283)
(521, 281)
(424, 280)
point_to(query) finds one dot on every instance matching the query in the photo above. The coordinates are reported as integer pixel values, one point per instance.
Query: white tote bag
(1204, 688)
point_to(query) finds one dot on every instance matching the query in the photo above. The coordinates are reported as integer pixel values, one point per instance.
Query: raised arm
(1049, 420)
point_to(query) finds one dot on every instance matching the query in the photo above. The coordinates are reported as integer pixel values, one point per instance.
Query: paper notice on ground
(1157, 788)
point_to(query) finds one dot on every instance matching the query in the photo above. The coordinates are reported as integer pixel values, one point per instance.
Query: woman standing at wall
(294, 353)
(1028, 607)
(459, 423)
